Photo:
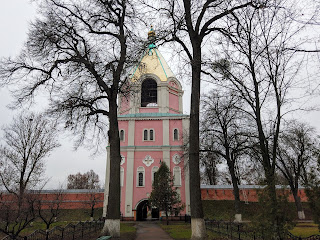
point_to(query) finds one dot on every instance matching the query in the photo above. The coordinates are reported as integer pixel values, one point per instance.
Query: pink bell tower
(151, 129)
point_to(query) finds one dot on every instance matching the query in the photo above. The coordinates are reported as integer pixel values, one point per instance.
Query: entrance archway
(143, 209)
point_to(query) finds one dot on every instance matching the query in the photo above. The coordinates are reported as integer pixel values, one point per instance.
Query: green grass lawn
(177, 230)
(305, 230)
(127, 231)
(224, 210)
(182, 231)
(40, 225)
(78, 214)
(66, 216)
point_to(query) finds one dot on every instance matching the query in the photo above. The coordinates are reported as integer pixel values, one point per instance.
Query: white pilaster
(163, 98)
(129, 184)
(180, 102)
(166, 133)
(166, 156)
(130, 171)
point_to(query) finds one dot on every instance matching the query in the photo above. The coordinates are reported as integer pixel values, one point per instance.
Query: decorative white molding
(148, 160)
(177, 176)
(176, 159)
(123, 159)
(121, 176)
(140, 170)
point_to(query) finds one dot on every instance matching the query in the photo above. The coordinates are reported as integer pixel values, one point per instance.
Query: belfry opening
(149, 96)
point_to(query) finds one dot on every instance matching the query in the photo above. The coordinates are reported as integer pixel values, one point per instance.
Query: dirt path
(150, 231)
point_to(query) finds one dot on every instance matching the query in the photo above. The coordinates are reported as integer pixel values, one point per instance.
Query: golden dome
(151, 33)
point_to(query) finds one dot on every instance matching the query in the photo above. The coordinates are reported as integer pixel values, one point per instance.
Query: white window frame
(177, 134)
(148, 134)
(124, 135)
(141, 170)
(145, 129)
(154, 134)
(154, 170)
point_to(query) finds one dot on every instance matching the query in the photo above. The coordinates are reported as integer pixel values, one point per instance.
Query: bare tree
(78, 51)
(298, 151)
(93, 199)
(26, 143)
(189, 23)
(208, 164)
(225, 133)
(88, 180)
(49, 209)
(262, 72)
(16, 213)
(311, 182)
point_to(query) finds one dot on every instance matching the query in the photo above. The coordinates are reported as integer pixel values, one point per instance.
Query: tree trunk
(297, 201)
(112, 224)
(92, 212)
(167, 217)
(198, 228)
(235, 187)
(197, 222)
(272, 195)
(270, 178)
(267, 161)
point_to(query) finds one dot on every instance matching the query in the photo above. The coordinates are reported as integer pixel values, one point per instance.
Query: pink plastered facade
(152, 125)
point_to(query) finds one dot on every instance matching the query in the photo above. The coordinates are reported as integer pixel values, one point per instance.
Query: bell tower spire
(156, 88)
(151, 35)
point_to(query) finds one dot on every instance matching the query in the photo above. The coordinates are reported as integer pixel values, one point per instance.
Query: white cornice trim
(151, 148)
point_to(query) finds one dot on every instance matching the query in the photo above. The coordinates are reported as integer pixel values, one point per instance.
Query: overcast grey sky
(15, 15)
(14, 18)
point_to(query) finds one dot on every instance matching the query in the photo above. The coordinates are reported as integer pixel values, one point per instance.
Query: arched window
(175, 134)
(148, 135)
(177, 176)
(151, 135)
(149, 93)
(145, 135)
(140, 177)
(121, 176)
(154, 170)
(121, 135)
